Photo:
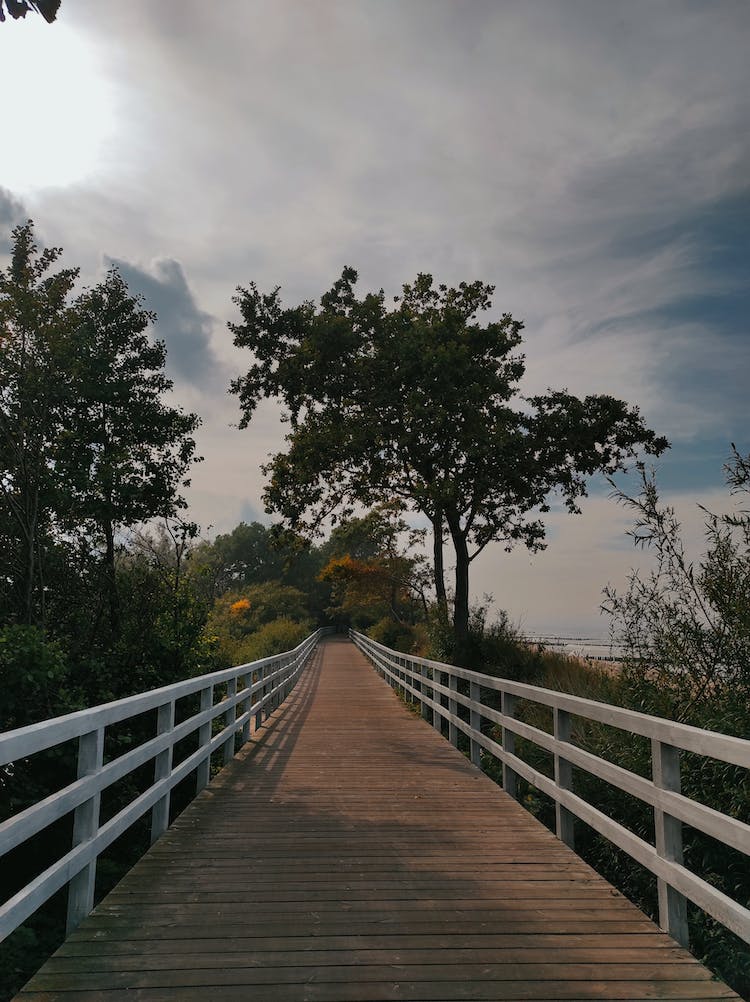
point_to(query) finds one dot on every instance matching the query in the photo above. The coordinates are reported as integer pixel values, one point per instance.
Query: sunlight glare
(58, 110)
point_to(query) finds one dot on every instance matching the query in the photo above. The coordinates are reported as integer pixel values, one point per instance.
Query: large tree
(125, 452)
(420, 402)
(89, 445)
(36, 318)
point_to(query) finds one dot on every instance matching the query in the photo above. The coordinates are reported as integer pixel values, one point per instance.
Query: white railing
(248, 693)
(435, 686)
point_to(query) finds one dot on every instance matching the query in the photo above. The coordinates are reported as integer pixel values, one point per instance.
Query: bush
(239, 617)
(279, 635)
(34, 677)
(494, 649)
(400, 636)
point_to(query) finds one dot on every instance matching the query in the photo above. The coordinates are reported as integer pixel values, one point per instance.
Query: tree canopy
(89, 444)
(419, 401)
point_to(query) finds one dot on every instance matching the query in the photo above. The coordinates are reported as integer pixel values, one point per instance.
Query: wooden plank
(634, 964)
(400, 990)
(214, 976)
(246, 943)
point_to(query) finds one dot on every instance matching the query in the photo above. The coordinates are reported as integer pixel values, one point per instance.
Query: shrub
(279, 635)
(400, 636)
(34, 677)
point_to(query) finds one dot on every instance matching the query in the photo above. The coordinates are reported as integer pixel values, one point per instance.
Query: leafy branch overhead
(418, 401)
(20, 8)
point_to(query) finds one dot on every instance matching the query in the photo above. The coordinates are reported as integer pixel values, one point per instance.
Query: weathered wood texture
(350, 853)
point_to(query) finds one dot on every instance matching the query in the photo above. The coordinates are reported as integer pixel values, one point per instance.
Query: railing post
(229, 718)
(247, 681)
(162, 769)
(284, 687)
(510, 777)
(452, 708)
(564, 820)
(426, 711)
(275, 687)
(261, 694)
(475, 722)
(283, 690)
(437, 716)
(291, 680)
(204, 736)
(267, 708)
(85, 826)
(665, 768)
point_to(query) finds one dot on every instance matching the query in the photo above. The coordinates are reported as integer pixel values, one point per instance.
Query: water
(590, 648)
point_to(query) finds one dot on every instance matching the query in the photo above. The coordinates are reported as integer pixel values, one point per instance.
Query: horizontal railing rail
(436, 687)
(248, 694)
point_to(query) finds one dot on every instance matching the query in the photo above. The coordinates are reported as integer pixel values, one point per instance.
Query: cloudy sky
(589, 159)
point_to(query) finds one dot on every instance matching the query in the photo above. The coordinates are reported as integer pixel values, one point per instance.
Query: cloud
(183, 326)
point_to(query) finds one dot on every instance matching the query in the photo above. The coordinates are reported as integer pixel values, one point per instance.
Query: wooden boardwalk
(349, 853)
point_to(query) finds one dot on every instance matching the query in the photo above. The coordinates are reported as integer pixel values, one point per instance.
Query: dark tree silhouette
(20, 8)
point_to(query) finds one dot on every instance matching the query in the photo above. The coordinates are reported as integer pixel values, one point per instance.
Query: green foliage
(278, 635)
(373, 571)
(36, 683)
(36, 318)
(400, 636)
(123, 453)
(88, 446)
(34, 677)
(420, 403)
(237, 616)
(253, 554)
(494, 648)
(162, 615)
(23, 951)
(245, 556)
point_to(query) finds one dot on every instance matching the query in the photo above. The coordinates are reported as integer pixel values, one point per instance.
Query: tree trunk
(30, 530)
(109, 566)
(28, 584)
(461, 597)
(438, 564)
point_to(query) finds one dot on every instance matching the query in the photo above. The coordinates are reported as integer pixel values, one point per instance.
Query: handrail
(435, 686)
(255, 689)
